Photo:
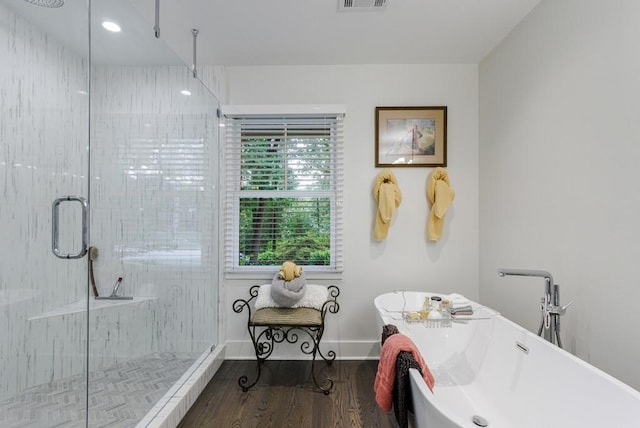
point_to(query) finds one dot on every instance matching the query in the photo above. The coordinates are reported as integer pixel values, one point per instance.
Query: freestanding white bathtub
(492, 370)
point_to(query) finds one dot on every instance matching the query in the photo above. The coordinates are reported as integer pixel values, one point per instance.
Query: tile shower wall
(153, 219)
(154, 185)
(43, 155)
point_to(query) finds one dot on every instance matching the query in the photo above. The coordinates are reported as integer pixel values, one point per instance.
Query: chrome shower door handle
(55, 229)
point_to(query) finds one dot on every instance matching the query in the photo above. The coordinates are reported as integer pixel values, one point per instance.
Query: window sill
(267, 276)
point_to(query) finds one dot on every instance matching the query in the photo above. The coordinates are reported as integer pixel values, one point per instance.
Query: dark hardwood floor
(285, 396)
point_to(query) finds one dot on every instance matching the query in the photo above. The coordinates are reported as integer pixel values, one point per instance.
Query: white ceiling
(314, 32)
(286, 32)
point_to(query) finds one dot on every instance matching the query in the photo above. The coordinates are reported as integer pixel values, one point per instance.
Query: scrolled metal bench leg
(263, 347)
(328, 382)
(243, 380)
(330, 355)
(316, 335)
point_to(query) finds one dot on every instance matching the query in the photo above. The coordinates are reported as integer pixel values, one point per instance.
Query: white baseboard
(351, 350)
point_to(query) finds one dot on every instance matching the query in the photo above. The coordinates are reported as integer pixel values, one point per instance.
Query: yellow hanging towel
(388, 197)
(440, 194)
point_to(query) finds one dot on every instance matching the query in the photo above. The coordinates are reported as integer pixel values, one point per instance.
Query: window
(284, 176)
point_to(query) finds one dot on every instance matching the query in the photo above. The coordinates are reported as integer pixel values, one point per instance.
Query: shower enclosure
(113, 127)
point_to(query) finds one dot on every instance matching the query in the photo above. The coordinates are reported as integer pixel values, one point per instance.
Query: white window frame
(233, 193)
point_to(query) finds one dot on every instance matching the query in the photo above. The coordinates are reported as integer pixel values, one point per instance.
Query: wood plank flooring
(285, 396)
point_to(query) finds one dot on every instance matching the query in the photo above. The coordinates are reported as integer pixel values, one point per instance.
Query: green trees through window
(276, 229)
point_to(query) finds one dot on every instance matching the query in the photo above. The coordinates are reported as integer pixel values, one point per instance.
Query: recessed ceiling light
(111, 26)
(185, 92)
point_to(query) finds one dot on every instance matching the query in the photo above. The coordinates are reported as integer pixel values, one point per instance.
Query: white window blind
(283, 198)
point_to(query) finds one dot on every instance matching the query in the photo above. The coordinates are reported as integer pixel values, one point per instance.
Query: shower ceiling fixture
(361, 4)
(46, 3)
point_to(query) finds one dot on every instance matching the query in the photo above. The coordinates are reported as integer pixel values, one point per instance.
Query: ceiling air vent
(361, 4)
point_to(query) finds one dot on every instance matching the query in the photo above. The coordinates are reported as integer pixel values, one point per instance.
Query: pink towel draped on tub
(386, 375)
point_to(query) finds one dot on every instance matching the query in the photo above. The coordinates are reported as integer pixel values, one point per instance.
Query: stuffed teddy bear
(289, 270)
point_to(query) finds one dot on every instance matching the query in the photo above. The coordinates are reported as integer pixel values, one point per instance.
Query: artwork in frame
(411, 136)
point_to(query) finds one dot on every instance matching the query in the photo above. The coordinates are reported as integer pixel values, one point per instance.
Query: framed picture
(411, 136)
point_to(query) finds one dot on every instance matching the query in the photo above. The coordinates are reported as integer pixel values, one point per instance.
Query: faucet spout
(549, 305)
(114, 293)
(548, 279)
(528, 272)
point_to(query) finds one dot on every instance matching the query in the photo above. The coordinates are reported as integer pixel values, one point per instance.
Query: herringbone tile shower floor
(118, 397)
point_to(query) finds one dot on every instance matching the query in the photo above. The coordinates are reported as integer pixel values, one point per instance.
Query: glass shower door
(44, 129)
(153, 219)
(124, 139)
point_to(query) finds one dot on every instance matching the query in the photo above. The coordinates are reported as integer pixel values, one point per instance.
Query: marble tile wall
(152, 164)
(154, 217)
(43, 155)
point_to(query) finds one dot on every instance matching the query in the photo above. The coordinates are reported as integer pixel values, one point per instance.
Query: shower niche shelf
(94, 305)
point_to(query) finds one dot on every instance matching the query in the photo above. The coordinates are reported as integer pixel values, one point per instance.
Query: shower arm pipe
(195, 32)
(156, 27)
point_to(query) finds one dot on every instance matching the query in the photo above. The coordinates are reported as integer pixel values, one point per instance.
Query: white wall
(559, 144)
(405, 260)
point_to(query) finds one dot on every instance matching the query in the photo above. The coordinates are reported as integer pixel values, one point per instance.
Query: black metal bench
(268, 326)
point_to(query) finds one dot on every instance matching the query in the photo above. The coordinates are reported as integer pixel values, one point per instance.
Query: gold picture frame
(411, 136)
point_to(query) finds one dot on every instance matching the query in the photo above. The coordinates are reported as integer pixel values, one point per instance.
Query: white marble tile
(43, 155)
(149, 170)
(169, 411)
